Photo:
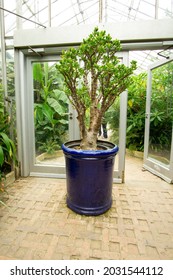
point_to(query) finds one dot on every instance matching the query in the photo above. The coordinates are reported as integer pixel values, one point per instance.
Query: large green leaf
(62, 121)
(5, 139)
(48, 112)
(60, 95)
(56, 105)
(1, 156)
(38, 72)
(38, 112)
(8, 147)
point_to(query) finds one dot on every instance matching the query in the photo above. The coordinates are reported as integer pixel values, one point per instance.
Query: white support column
(106, 10)
(19, 12)
(100, 11)
(21, 112)
(49, 13)
(3, 50)
(156, 9)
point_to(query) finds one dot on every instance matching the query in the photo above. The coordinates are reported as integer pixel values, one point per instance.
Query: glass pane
(113, 125)
(10, 72)
(161, 118)
(50, 114)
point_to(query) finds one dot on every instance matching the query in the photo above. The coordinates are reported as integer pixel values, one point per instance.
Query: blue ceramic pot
(89, 177)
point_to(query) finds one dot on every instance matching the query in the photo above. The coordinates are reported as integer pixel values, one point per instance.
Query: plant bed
(55, 158)
(134, 153)
(10, 178)
(6, 180)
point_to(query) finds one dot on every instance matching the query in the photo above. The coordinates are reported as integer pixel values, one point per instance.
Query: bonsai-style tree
(94, 77)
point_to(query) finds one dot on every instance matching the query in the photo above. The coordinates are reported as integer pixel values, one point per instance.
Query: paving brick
(38, 225)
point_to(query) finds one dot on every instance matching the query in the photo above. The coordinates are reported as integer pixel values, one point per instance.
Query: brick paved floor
(38, 225)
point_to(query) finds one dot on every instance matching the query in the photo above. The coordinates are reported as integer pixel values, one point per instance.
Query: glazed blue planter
(89, 177)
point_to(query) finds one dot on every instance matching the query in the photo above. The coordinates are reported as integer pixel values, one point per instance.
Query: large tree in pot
(94, 77)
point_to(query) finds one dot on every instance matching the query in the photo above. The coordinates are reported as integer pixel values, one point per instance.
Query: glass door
(119, 168)
(45, 119)
(158, 151)
(50, 114)
(51, 119)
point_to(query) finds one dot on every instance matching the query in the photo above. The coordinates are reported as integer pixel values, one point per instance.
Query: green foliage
(10, 78)
(112, 117)
(7, 149)
(50, 108)
(136, 113)
(50, 146)
(161, 119)
(7, 146)
(94, 78)
(93, 72)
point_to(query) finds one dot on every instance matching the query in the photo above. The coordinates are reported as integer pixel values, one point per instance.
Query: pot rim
(108, 149)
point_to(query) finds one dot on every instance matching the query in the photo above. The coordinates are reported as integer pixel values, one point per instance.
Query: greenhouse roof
(54, 13)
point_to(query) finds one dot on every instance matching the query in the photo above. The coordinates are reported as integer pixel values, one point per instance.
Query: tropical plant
(50, 107)
(94, 78)
(7, 146)
(161, 118)
(7, 150)
(50, 146)
(136, 112)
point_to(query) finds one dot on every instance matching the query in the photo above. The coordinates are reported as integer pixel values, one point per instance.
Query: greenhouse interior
(54, 55)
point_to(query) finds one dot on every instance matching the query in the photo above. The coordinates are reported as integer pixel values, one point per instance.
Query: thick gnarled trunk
(89, 137)
(89, 141)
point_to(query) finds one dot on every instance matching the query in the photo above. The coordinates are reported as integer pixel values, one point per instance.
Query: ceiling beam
(126, 32)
